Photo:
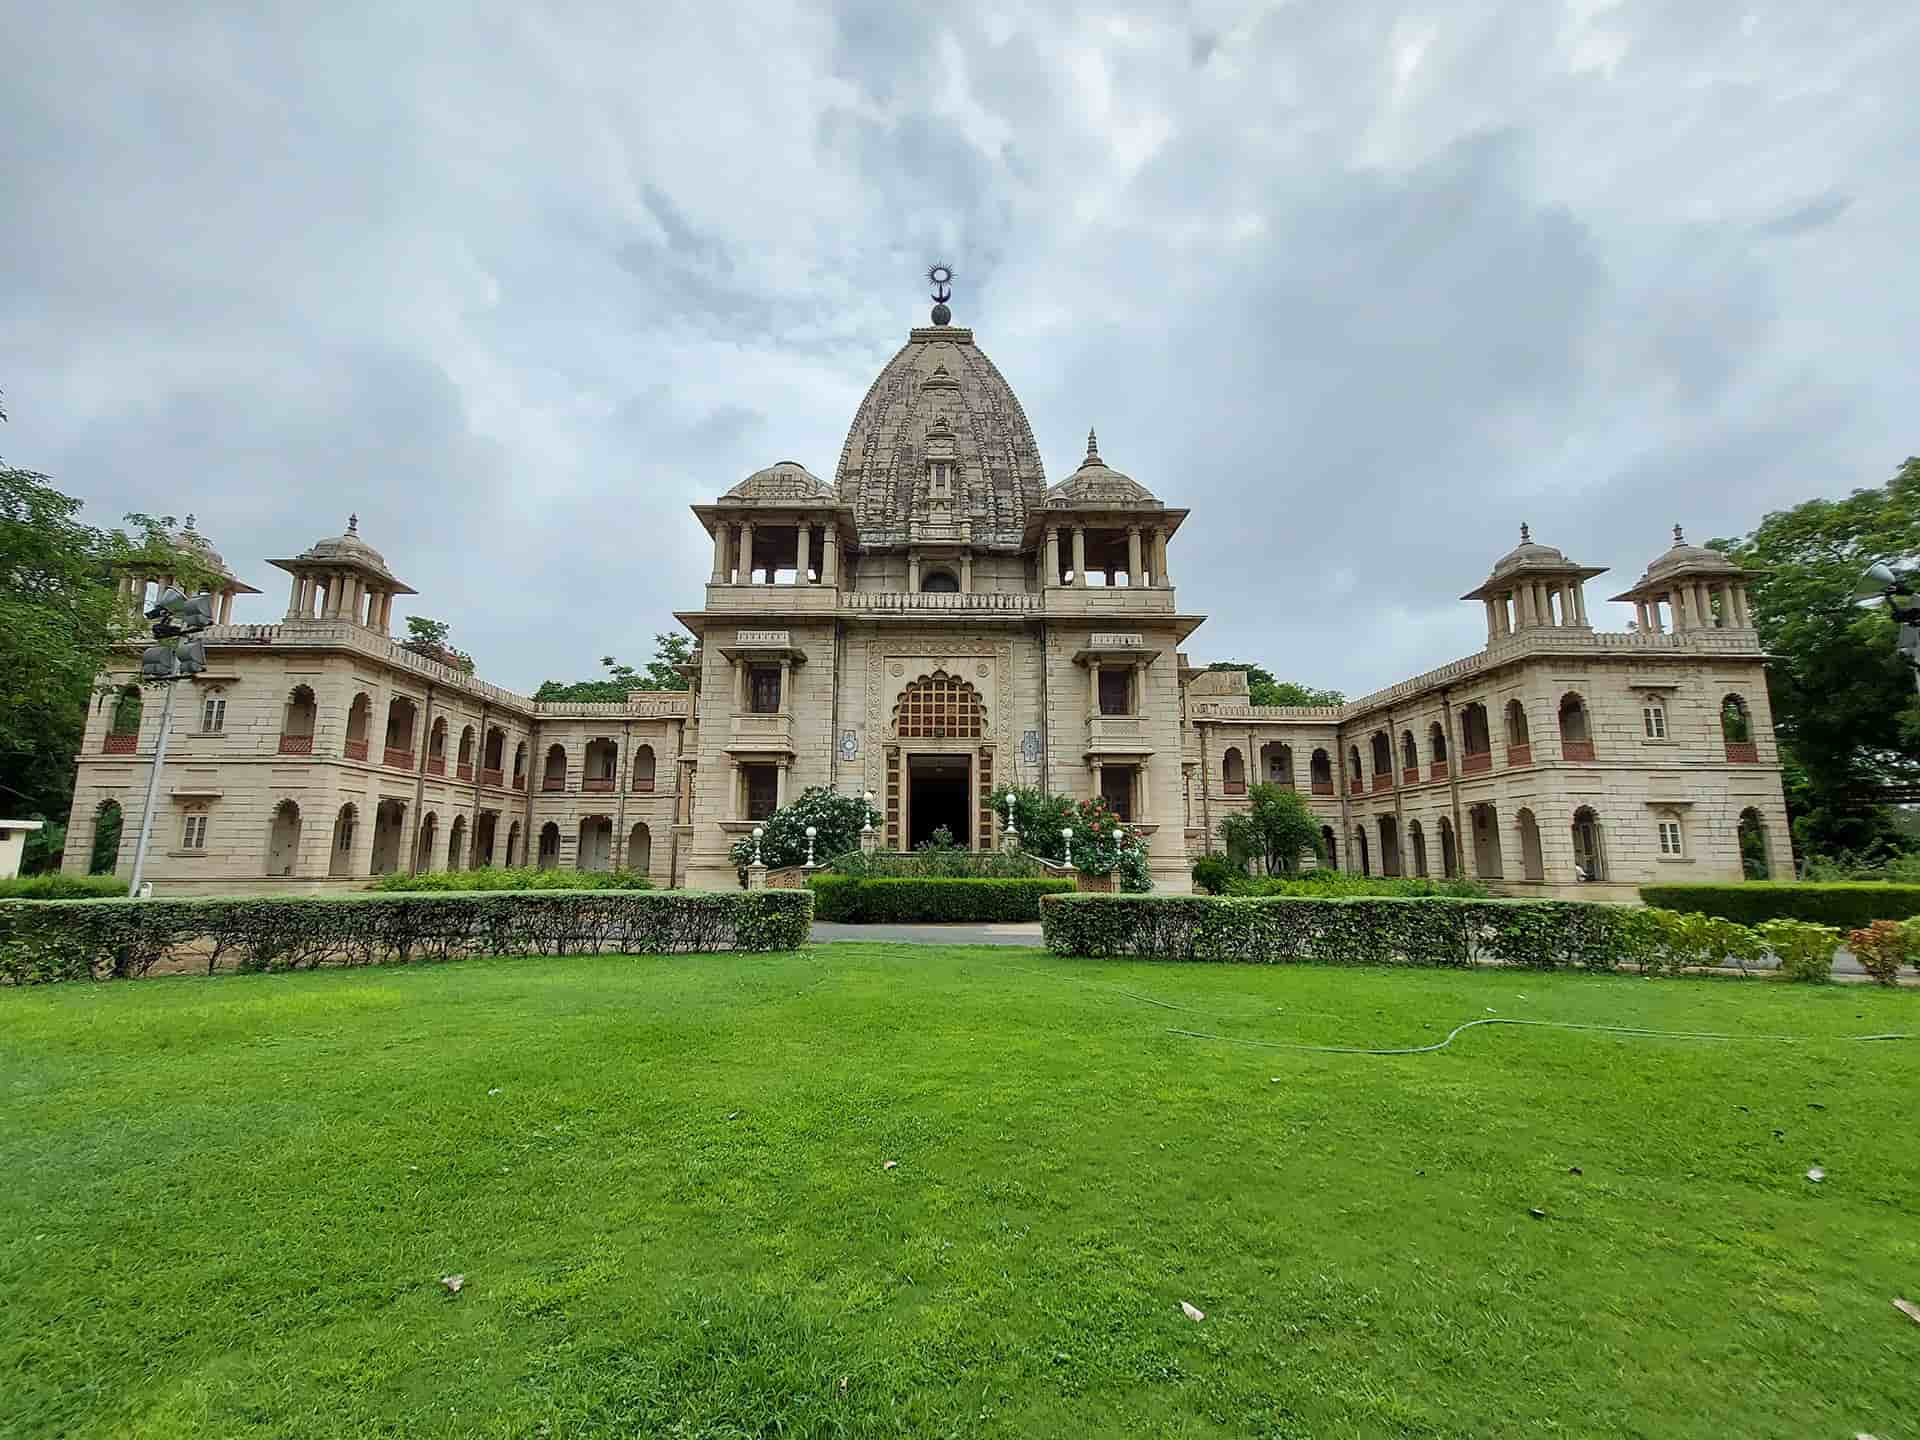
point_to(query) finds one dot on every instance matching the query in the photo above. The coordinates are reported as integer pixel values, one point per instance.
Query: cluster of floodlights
(1898, 590)
(177, 653)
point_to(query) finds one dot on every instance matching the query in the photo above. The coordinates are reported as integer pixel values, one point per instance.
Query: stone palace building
(934, 625)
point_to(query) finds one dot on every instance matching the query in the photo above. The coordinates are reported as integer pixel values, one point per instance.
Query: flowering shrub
(837, 820)
(1102, 843)
(1881, 948)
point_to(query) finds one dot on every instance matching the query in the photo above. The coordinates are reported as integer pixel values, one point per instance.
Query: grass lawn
(228, 1203)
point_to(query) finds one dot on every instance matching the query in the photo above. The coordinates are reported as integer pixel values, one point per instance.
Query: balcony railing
(491, 777)
(1437, 770)
(356, 749)
(1576, 749)
(1410, 775)
(1522, 754)
(436, 765)
(598, 783)
(1116, 732)
(1323, 787)
(1383, 781)
(1233, 787)
(773, 730)
(642, 784)
(971, 603)
(1476, 764)
(463, 770)
(1743, 752)
(398, 758)
(296, 744)
(124, 744)
(551, 783)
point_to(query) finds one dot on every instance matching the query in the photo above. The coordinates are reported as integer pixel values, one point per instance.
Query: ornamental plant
(1102, 842)
(1882, 948)
(1805, 950)
(837, 820)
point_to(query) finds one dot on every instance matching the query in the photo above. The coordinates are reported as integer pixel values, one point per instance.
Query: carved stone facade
(934, 626)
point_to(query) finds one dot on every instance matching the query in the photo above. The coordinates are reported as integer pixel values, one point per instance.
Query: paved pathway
(1025, 933)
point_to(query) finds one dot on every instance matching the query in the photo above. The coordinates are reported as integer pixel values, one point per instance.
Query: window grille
(939, 707)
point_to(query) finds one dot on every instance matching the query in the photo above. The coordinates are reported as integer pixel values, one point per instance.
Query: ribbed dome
(782, 480)
(998, 478)
(347, 548)
(1097, 483)
(190, 539)
(1683, 556)
(1529, 552)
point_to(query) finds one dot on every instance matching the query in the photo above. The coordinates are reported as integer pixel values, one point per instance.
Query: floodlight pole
(153, 790)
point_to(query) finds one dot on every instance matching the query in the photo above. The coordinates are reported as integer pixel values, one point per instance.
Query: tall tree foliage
(1263, 689)
(1276, 830)
(670, 651)
(1843, 698)
(432, 639)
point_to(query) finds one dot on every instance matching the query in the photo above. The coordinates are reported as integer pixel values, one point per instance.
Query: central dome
(940, 374)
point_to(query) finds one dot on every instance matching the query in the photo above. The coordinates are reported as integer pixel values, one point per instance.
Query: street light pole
(179, 618)
(153, 790)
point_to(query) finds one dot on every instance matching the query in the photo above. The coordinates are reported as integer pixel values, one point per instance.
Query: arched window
(554, 776)
(640, 849)
(123, 725)
(602, 766)
(1329, 844)
(463, 758)
(1449, 851)
(283, 840)
(297, 722)
(1409, 758)
(359, 717)
(1736, 728)
(1276, 764)
(1417, 843)
(1756, 853)
(519, 767)
(1576, 736)
(643, 767)
(940, 582)
(1489, 861)
(457, 843)
(1389, 846)
(1476, 745)
(1517, 736)
(939, 707)
(1360, 850)
(423, 855)
(1320, 767)
(108, 821)
(437, 746)
(340, 857)
(402, 715)
(1589, 846)
(389, 825)
(1437, 750)
(549, 846)
(1356, 779)
(514, 857)
(1233, 772)
(1382, 760)
(1532, 865)
(596, 844)
(484, 830)
(496, 748)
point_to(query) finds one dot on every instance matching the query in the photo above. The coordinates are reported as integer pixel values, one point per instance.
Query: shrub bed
(515, 877)
(62, 887)
(942, 862)
(882, 900)
(113, 939)
(1848, 905)
(1540, 934)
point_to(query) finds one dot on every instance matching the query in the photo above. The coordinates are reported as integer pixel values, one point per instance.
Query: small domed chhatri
(137, 579)
(1689, 587)
(1097, 483)
(342, 577)
(781, 481)
(1534, 585)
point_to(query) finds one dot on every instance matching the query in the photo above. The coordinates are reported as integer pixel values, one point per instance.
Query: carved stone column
(1050, 575)
(1080, 556)
(830, 555)
(745, 561)
(1135, 575)
(803, 554)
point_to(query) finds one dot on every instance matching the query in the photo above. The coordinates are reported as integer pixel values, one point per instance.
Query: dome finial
(189, 520)
(940, 276)
(1678, 538)
(1526, 536)
(353, 524)
(1093, 445)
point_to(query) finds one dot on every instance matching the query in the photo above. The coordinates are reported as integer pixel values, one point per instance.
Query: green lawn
(228, 1203)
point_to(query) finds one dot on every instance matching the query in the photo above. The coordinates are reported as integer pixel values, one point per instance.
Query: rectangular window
(195, 837)
(763, 690)
(763, 790)
(1670, 837)
(1116, 692)
(213, 715)
(1116, 788)
(1655, 719)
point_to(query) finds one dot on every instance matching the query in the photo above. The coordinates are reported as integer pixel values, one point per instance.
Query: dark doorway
(1116, 788)
(763, 790)
(936, 797)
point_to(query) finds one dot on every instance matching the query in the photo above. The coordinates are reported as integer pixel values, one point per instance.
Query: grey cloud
(1815, 214)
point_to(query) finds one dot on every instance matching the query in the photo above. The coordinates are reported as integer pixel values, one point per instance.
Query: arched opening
(1476, 745)
(283, 839)
(463, 758)
(1576, 736)
(1488, 861)
(640, 849)
(424, 853)
(492, 754)
(1589, 846)
(1356, 778)
(1756, 855)
(484, 830)
(359, 718)
(1409, 759)
(1277, 764)
(1233, 772)
(939, 707)
(1519, 740)
(515, 856)
(1382, 761)
(1533, 865)
(457, 843)
(1389, 845)
(519, 766)
(1417, 843)
(643, 768)
(297, 722)
(1736, 729)
(1320, 768)
(1437, 751)
(596, 844)
(108, 821)
(940, 582)
(123, 725)
(601, 764)
(554, 776)
(549, 846)
(1449, 851)
(340, 857)
(1361, 852)
(1330, 844)
(389, 829)
(402, 716)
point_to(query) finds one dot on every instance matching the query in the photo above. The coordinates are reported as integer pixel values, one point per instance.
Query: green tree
(1263, 689)
(428, 638)
(1276, 830)
(1842, 696)
(60, 619)
(662, 673)
(836, 820)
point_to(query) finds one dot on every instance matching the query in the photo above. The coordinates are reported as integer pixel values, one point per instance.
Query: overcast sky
(1364, 285)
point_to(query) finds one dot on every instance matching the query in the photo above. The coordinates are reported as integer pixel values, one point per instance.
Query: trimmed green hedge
(43, 941)
(515, 877)
(885, 900)
(1849, 905)
(62, 887)
(1280, 929)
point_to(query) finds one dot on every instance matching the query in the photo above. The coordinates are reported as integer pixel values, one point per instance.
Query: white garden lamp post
(758, 831)
(866, 823)
(811, 832)
(1067, 835)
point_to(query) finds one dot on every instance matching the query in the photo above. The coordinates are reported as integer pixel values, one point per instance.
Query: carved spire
(1678, 538)
(353, 524)
(1526, 536)
(1093, 444)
